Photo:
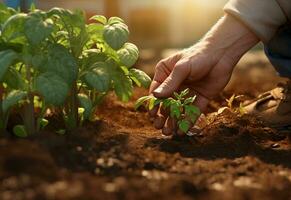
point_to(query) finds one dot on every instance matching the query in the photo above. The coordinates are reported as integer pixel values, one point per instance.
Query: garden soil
(121, 156)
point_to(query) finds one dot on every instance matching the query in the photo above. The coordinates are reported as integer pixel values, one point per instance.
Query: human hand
(204, 68)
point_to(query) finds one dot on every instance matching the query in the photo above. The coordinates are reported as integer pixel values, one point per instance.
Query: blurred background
(153, 23)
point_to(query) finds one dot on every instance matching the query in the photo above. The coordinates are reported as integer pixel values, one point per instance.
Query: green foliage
(6, 59)
(128, 54)
(181, 108)
(52, 88)
(99, 77)
(12, 99)
(116, 34)
(67, 64)
(140, 78)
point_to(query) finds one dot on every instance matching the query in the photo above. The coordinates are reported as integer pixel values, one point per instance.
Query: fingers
(163, 70)
(170, 127)
(160, 114)
(159, 121)
(173, 81)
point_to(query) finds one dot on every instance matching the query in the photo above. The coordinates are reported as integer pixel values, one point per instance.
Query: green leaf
(167, 102)
(5, 13)
(140, 78)
(36, 30)
(141, 101)
(184, 125)
(61, 62)
(152, 103)
(128, 54)
(99, 18)
(12, 99)
(73, 24)
(95, 31)
(6, 59)
(192, 112)
(14, 79)
(20, 131)
(116, 35)
(99, 77)
(177, 96)
(43, 122)
(122, 83)
(175, 111)
(189, 100)
(39, 60)
(93, 56)
(184, 92)
(12, 46)
(86, 103)
(114, 20)
(13, 28)
(52, 88)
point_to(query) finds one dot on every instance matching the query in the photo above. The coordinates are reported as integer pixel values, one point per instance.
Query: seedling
(181, 108)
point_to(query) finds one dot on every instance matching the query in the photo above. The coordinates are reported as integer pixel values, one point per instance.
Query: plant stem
(41, 115)
(28, 117)
(73, 109)
(2, 120)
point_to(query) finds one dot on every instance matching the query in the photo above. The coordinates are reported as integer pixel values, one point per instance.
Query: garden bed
(123, 157)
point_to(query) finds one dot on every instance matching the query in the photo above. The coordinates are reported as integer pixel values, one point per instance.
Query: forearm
(227, 38)
(229, 32)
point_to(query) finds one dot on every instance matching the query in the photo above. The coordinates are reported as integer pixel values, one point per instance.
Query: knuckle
(160, 65)
(181, 66)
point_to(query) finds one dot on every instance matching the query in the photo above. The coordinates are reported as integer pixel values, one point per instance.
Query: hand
(205, 68)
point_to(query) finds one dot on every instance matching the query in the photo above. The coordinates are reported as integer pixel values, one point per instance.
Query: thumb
(173, 81)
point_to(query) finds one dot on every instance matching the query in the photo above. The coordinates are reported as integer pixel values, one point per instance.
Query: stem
(73, 109)
(42, 113)
(80, 88)
(2, 120)
(28, 117)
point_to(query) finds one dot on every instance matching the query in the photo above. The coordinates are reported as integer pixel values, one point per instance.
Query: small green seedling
(180, 107)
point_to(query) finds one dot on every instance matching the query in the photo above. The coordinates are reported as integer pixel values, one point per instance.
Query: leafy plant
(180, 107)
(54, 61)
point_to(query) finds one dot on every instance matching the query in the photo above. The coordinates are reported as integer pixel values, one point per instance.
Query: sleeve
(263, 17)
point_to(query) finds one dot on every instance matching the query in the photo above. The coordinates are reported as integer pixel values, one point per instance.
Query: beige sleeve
(263, 17)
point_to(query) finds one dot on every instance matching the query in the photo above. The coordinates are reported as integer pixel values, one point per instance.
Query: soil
(121, 156)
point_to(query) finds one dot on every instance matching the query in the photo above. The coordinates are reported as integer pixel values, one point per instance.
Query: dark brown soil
(123, 157)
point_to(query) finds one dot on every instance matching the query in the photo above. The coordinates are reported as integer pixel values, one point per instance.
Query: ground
(121, 156)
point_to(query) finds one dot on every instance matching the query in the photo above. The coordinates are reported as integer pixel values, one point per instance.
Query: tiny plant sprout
(61, 131)
(19, 131)
(43, 122)
(180, 106)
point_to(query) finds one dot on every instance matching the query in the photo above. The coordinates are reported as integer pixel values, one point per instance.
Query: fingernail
(158, 90)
